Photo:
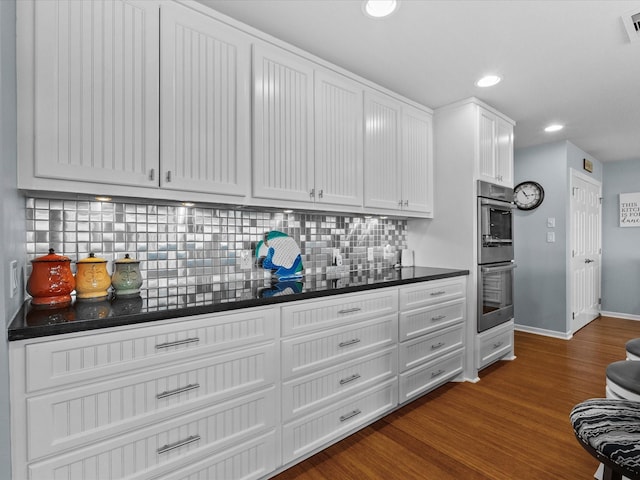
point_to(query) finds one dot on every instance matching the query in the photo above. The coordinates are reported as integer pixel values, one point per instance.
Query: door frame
(573, 174)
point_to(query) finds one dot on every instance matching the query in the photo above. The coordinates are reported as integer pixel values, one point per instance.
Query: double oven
(495, 255)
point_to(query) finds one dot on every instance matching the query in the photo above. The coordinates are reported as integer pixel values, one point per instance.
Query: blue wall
(620, 246)
(541, 290)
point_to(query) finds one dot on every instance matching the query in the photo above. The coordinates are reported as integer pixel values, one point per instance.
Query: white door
(338, 139)
(282, 125)
(382, 180)
(96, 91)
(205, 104)
(585, 249)
(417, 157)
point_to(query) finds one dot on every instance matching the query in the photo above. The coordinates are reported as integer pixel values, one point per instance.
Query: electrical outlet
(13, 278)
(245, 260)
(551, 237)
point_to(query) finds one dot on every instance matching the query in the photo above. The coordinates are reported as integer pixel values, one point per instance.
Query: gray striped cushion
(612, 428)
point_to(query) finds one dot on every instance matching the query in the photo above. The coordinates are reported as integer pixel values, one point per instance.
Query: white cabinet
(432, 335)
(204, 104)
(495, 148)
(282, 125)
(339, 367)
(398, 156)
(145, 401)
(93, 75)
(494, 344)
(307, 131)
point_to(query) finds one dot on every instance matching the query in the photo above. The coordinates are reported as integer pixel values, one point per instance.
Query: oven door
(495, 294)
(495, 235)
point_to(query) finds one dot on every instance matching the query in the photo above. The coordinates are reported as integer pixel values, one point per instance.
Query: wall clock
(528, 195)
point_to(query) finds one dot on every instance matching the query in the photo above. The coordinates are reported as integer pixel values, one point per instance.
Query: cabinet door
(338, 139)
(282, 125)
(504, 152)
(417, 157)
(486, 146)
(205, 104)
(96, 91)
(382, 152)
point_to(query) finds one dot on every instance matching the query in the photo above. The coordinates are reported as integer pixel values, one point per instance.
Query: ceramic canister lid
(126, 259)
(51, 257)
(92, 259)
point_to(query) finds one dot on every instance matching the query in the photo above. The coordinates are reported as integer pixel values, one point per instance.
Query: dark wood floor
(512, 425)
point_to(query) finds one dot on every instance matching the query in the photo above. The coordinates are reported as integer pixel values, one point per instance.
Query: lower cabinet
(494, 344)
(237, 395)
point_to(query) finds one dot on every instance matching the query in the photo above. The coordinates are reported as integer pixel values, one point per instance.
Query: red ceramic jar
(51, 281)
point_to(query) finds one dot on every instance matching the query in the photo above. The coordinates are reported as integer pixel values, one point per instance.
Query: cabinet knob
(169, 176)
(152, 174)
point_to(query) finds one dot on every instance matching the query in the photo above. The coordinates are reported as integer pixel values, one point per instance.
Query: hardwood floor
(512, 425)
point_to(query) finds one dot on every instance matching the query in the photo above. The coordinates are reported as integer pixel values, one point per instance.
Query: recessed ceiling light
(553, 128)
(379, 8)
(488, 81)
(287, 211)
(188, 204)
(103, 198)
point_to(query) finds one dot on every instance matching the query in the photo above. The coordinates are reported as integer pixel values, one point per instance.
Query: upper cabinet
(94, 96)
(307, 131)
(398, 156)
(495, 148)
(204, 104)
(170, 100)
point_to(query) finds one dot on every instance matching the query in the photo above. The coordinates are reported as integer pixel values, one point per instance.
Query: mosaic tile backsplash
(187, 246)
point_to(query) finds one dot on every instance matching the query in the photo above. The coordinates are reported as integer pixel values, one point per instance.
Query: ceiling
(561, 61)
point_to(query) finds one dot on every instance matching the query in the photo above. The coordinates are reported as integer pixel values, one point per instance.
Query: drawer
(303, 317)
(310, 352)
(427, 319)
(172, 443)
(428, 347)
(88, 357)
(431, 375)
(318, 429)
(314, 391)
(430, 293)
(72, 417)
(494, 344)
(247, 461)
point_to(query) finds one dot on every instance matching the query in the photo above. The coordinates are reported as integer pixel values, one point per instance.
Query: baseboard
(544, 332)
(624, 316)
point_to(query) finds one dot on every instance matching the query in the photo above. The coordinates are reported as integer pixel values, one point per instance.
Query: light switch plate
(551, 222)
(13, 278)
(551, 237)
(245, 260)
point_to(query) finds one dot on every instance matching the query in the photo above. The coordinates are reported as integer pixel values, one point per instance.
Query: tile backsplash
(180, 246)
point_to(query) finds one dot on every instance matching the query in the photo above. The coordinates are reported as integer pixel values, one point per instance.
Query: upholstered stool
(633, 349)
(623, 380)
(609, 429)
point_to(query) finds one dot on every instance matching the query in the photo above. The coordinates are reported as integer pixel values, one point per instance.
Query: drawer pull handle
(349, 310)
(438, 317)
(349, 342)
(353, 377)
(349, 415)
(177, 342)
(437, 345)
(169, 393)
(439, 292)
(181, 443)
(497, 345)
(437, 374)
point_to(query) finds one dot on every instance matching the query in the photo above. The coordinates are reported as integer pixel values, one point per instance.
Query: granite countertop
(174, 302)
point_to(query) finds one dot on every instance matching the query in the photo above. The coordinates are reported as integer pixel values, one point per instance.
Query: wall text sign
(630, 209)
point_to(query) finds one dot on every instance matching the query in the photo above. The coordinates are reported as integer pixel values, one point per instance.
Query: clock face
(528, 195)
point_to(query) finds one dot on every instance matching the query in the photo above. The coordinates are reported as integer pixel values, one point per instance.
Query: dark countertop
(174, 302)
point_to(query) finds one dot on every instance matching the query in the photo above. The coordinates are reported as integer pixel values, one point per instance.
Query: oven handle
(501, 268)
(497, 203)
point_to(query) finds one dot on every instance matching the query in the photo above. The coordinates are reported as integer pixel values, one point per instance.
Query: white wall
(12, 233)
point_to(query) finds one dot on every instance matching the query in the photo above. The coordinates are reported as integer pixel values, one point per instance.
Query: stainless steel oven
(495, 255)
(495, 294)
(495, 223)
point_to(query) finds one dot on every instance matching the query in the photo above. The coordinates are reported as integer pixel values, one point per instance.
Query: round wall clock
(528, 195)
